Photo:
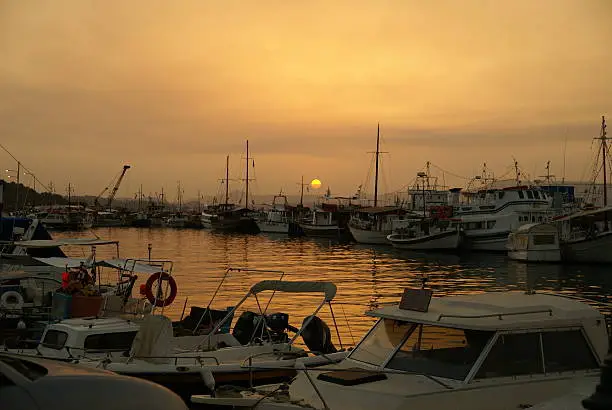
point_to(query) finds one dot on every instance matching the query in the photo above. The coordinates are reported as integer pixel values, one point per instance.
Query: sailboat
(179, 219)
(373, 224)
(586, 236)
(229, 217)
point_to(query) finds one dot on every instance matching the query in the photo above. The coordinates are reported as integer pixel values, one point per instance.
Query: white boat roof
(94, 325)
(583, 214)
(327, 288)
(52, 243)
(497, 311)
(129, 265)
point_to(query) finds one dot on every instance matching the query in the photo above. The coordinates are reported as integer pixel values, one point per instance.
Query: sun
(315, 184)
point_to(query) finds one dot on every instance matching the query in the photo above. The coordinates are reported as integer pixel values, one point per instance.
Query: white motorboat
(277, 218)
(372, 225)
(535, 243)
(427, 234)
(489, 351)
(256, 339)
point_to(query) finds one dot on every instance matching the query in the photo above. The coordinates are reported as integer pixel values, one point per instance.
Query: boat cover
(130, 265)
(153, 340)
(328, 288)
(64, 262)
(53, 243)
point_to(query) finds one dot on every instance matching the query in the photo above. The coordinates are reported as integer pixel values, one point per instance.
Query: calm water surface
(366, 275)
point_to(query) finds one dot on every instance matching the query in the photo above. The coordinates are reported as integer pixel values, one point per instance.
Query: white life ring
(11, 300)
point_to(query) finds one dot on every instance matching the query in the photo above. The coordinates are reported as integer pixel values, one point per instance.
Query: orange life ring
(149, 289)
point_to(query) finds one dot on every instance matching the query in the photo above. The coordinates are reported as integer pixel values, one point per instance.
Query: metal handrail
(498, 315)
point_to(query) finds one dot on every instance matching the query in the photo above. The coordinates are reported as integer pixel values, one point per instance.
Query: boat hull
(326, 231)
(449, 240)
(370, 236)
(273, 227)
(488, 243)
(591, 250)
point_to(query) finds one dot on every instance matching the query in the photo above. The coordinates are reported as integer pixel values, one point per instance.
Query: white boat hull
(369, 236)
(273, 227)
(439, 241)
(489, 243)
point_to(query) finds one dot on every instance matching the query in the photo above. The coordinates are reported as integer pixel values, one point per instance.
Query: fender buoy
(11, 300)
(153, 279)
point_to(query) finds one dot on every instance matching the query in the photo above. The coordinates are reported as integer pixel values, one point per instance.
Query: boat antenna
(564, 156)
(377, 154)
(226, 180)
(604, 147)
(246, 200)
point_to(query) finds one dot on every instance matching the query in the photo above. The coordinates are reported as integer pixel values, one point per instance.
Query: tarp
(64, 262)
(52, 243)
(328, 288)
(130, 265)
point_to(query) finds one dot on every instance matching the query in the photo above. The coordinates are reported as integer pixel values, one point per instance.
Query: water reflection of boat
(453, 352)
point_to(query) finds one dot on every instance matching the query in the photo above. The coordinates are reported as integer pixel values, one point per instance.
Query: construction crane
(113, 191)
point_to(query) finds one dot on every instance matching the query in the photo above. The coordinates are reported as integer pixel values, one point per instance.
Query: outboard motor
(317, 336)
(245, 326)
(278, 323)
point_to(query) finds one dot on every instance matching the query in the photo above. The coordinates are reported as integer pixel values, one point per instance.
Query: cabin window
(513, 355)
(540, 219)
(55, 339)
(378, 345)
(529, 194)
(491, 224)
(110, 341)
(521, 195)
(536, 194)
(567, 350)
(544, 239)
(501, 194)
(440, 351)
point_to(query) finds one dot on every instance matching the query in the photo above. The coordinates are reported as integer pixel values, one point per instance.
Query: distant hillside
(27, 197)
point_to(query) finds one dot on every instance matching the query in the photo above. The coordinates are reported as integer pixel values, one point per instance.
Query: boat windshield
(424, 349)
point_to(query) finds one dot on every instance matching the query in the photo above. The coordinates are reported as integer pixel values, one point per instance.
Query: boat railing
(497, 315)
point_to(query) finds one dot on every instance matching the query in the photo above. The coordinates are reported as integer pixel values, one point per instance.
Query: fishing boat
(277, 218)
(257, 339)
(373, 224)
(535, 243)
(487, 351)
(66, 218)
(228, 217)
(427, 234)
(586, 236)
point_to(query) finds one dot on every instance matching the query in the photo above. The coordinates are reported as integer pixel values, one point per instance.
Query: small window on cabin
(544, 239)
(529, 194)
(540, 219)
(536, 194)
(533, 218)
(55, 339)
(110, 341)
(567, 350)
(513, 355)
(491, 224)
(501, 194)
(521, 195)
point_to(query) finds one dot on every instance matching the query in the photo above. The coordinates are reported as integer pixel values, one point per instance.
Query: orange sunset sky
(173, 87)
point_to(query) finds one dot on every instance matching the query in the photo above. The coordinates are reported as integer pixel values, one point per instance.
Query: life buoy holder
(155, 278)
(11, 300)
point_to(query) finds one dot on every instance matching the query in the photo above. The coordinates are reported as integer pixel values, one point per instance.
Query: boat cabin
(483, 337)
(535, 243)
(72, 338)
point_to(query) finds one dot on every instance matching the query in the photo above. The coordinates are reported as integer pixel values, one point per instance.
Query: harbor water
(366, 276)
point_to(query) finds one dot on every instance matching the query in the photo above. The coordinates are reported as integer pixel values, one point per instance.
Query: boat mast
(604, 148)
(302, 192)
(246, 200)
(377, 154)
(226, 180)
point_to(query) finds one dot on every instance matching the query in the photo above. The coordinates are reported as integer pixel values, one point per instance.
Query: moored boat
(535, 243)
(488, 351)
(427, 234)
